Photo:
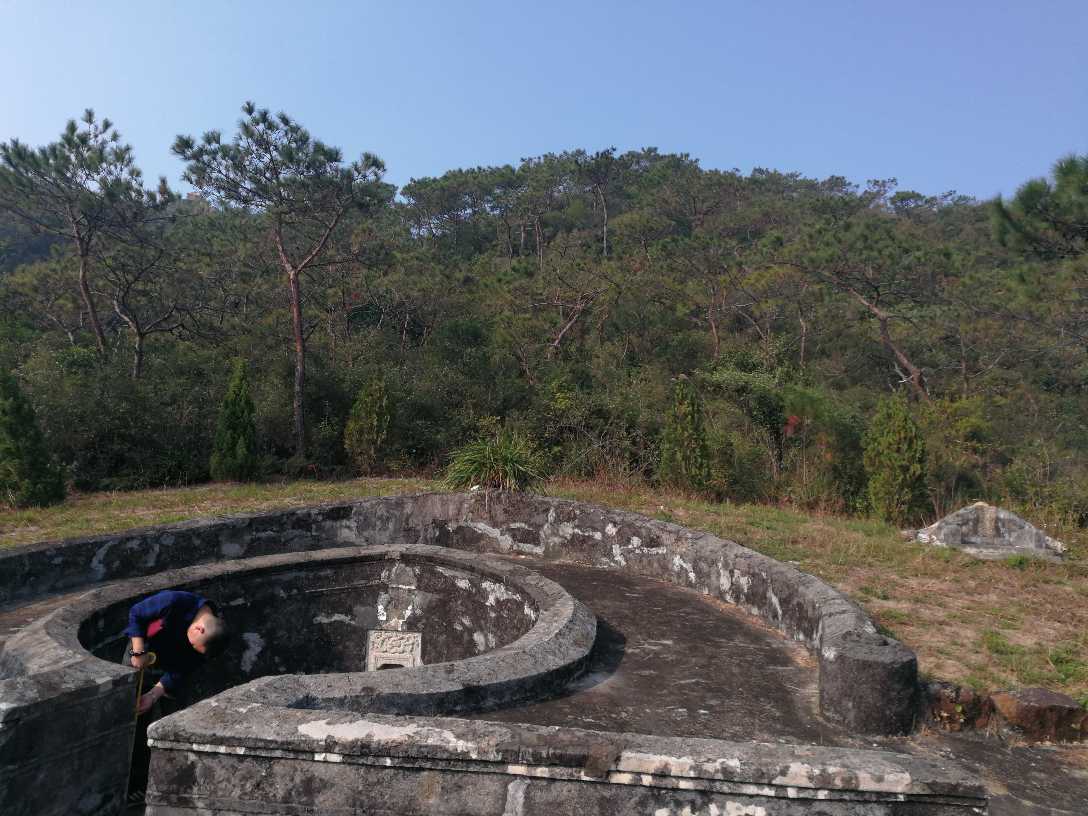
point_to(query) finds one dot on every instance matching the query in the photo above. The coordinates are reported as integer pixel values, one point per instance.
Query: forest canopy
(569, 299)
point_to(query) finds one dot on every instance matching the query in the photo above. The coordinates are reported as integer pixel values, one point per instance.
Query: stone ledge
(559, 640)
(752, 773)
(868, 682)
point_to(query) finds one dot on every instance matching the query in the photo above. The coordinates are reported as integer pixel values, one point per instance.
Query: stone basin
(334, 612)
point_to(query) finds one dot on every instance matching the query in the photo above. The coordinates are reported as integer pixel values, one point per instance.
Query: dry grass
(91, 513)
(983, 623)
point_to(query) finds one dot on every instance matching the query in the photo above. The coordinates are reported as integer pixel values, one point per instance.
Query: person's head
(208, 633)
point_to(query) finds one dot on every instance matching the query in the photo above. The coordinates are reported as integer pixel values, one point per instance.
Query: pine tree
(368, 427)
(895, 460)
(78, 188)
(27, 473)
(685, 456)
(234, 455)
(304, 190)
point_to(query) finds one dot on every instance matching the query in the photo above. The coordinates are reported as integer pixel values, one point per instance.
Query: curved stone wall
(867, 682)
(305, 615)
(520, 636)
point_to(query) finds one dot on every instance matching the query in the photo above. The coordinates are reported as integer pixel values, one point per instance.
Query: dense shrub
(115, 433)
(895, 460)
(234, 454)
(823, 439)
(754, 383)
(28, 475)
(750, 479)
(569, 309)
(685, 455)
(599, 428)
(958, 452)
(505, 460)
(327, 443)
(367, 429)
(1044, 489)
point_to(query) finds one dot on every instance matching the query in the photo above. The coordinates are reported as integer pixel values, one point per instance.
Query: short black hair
(217, 640)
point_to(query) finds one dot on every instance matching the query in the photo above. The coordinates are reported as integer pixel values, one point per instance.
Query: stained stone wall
(66, 715)
(226, 762)
(318, 616)
(867, 682)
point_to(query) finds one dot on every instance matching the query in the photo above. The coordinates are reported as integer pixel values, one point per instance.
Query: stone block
(1040, 714)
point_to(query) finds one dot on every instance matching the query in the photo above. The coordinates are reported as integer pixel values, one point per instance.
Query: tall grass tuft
(506, 460)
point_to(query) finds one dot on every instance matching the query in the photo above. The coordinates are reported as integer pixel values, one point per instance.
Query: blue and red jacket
(163, 622)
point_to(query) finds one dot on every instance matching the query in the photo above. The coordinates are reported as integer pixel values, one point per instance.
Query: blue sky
(972, 96)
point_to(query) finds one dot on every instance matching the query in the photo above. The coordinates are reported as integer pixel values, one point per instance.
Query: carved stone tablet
(388, 649)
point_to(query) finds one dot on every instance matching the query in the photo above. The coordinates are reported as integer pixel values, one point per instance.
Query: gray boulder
(986, 531)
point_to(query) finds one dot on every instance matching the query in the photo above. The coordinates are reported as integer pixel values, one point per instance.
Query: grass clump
(1019, 561)
(997, 644)
(504, 460)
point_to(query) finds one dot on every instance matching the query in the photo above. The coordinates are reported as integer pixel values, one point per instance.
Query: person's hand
(141, 661)
(147, 700)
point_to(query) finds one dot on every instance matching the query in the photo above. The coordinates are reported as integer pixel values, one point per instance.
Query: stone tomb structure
(308, 715)
(985, 531)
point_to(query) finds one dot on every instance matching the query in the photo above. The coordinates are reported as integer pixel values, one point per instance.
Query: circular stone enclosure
(305, 588)
(318, 616)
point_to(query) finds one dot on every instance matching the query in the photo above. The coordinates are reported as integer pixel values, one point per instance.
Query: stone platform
(792, 663)
(672, 662)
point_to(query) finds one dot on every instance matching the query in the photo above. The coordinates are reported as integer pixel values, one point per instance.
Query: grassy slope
(987, 624)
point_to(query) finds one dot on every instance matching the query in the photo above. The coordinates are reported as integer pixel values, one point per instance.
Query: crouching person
(182, 630)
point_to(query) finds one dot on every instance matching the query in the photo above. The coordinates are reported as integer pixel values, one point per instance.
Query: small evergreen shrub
(28, 476)
(722, 466)
(505, 460)
(327, 444)
(685, 454)
(367, 428)
(234, 454)
(895, 461)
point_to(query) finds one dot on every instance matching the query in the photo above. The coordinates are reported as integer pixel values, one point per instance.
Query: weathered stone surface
(216, 758)
(1035, 714)
(990, 532)
(1022, 780)
(672, 662)
(802, 607)
(388, 649)
(1040, 714)
(52, 687)
(869, 682)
